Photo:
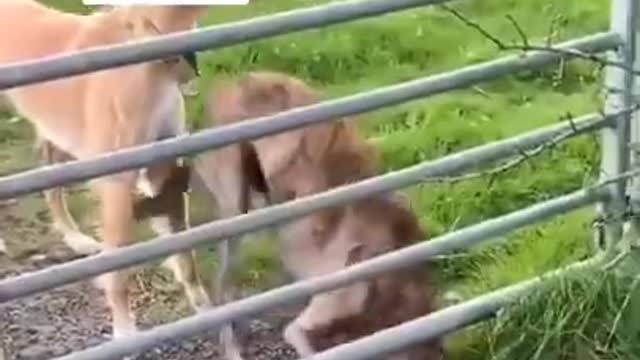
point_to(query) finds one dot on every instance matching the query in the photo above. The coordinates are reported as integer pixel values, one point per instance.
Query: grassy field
(587, 318)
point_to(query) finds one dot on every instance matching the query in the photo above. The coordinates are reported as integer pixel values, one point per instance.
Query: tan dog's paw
(81, 244)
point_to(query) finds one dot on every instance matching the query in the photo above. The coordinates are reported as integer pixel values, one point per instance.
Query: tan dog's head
(149, 21)
(166, 19)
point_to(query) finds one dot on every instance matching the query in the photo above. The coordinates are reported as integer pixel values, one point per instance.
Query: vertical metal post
(631, 236)
(634, 186)
(619, 85)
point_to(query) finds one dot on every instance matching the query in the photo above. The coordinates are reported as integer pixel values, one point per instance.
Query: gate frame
(619, 125)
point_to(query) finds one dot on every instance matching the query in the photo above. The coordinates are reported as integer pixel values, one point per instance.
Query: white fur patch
(144, 185)
(172, 263)
(160, 225)
(232, 350)
(80, 243)
(124, 330)
(198, 297)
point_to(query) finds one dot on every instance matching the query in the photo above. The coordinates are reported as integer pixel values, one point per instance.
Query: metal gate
(615, 194)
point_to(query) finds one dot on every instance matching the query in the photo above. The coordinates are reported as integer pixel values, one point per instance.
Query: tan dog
(303, 162)
(184, 71)
(104, 111)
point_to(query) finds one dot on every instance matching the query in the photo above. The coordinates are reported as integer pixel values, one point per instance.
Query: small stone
(34, 352)
(44, 329)
(3, 247)
(38, 257)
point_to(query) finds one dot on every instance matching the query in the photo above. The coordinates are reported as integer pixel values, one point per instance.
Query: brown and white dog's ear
(276, 92)
(319, 138)
(355, 254)
(259, 92)
(406, 228)
(266, 93)
(224, 104)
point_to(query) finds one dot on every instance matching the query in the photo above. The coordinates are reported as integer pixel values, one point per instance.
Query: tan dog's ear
(142, 27)
(193, 12)
(139, 25)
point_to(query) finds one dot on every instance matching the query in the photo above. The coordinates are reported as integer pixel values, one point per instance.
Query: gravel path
(75, 317)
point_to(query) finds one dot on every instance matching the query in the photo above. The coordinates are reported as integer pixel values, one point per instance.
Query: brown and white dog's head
(258, 94)
(363, 230)
(292, 162)
(360, 231)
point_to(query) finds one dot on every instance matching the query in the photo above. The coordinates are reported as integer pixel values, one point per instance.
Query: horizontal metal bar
(56, 175)
(448, 320)
(80, 269)
(210, 37)
(406, 257)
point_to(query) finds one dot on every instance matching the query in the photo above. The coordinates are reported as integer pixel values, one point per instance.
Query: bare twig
(523, 35)
(529, 154)
(527, 47)
(551, 32)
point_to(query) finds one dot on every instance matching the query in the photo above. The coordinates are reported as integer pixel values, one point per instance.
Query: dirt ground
(74, 317)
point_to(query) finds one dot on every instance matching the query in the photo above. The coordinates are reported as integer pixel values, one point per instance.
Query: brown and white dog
(104, 111)
(302, 162)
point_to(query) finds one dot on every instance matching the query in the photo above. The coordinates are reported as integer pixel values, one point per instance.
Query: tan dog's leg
(222, 173)
(116, 200)
(80, 243)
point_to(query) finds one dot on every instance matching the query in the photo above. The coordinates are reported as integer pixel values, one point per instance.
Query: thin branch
(526, 155)
(526, 47)
(523, 35)
(551, 32)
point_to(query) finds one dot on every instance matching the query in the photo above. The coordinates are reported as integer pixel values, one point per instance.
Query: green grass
(364, 54)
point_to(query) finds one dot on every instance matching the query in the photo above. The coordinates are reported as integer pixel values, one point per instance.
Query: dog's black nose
(192, 60)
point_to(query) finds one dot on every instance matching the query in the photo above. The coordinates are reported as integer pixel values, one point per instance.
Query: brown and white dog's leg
(296, 336)
(168, 218)
(225, 292)
(318, 314)
(116, 201)
(322, 311)
(80, 243)
(221, 171)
